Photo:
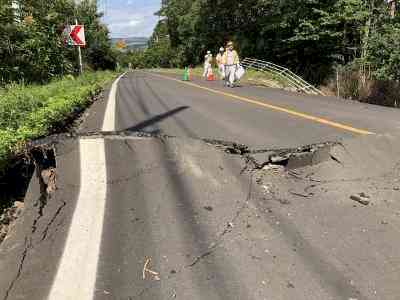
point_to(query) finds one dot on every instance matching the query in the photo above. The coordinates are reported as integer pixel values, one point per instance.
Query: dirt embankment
(15, 180)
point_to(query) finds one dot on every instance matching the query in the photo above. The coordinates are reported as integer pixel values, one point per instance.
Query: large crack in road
(301, 197)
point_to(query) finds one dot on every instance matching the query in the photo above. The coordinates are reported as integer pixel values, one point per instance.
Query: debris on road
(361, 198)
(290, 285)
(49, 178)
(266, 189)
(147, 270)
(9, 217)
(208, 208)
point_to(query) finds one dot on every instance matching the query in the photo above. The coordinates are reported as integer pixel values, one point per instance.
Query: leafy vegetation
(311, 37)
(32, 46)
(32, 111)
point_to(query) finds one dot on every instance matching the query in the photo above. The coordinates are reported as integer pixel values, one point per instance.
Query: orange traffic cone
(190, 74)
(210, 75)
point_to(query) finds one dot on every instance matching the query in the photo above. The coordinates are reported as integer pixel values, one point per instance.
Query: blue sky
(127, 18)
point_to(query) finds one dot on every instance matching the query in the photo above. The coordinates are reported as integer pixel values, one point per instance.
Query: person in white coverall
(207, 63)
(231, 62)
(220, 63)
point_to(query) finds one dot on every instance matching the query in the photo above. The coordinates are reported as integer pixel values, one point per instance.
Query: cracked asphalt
(151, 216)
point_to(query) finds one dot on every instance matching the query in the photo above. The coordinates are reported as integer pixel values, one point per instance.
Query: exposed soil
(9, 217)
(15, 182)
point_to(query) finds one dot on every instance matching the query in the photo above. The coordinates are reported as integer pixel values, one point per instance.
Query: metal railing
(291, 78)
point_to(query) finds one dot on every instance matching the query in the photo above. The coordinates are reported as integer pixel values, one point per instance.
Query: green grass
(268, 79)
(265, 78)
(29, 112)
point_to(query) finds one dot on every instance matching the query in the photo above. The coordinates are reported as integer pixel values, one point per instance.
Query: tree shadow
(157, 118)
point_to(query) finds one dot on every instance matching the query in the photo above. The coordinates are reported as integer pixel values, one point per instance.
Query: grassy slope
(251, 76)
(29, 112)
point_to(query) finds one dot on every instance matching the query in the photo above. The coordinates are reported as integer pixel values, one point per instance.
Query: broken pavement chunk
(275, 168)
(363, 195)
(275, 159)
(209, 208)
(361, 198)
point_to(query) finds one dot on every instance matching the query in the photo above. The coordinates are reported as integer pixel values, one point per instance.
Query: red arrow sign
(75, 35)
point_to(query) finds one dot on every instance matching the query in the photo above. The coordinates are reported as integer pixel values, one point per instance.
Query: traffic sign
(74, 35)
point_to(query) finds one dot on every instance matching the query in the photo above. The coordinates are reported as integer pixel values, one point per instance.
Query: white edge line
(76, 274)
(109, 115)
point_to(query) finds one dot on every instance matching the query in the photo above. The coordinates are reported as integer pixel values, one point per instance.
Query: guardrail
(293, 80)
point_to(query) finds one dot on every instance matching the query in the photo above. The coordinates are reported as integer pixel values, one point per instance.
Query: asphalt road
(156, 104)
(138, 217)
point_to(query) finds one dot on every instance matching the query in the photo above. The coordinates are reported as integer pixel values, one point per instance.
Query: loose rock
(360, 199)
(209, 208)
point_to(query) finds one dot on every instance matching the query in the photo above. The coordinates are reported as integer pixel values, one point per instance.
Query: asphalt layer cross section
(157, 208)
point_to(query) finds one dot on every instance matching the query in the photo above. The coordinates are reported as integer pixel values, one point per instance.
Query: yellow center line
(273, 107)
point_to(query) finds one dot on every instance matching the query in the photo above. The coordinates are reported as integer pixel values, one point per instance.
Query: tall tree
(32, 47)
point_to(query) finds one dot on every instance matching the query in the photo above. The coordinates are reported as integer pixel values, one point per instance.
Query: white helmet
(221, 49)
(208, 52)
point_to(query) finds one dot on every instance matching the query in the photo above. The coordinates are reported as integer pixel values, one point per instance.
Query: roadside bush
(382, 92)
(373, 90)
(29, 112)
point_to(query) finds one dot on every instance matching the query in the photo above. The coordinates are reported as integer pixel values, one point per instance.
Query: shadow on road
(157, 118)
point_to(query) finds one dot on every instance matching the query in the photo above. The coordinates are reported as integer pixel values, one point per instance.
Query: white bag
(239, 72)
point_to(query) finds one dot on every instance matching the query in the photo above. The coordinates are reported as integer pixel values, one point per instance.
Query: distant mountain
(132, 42)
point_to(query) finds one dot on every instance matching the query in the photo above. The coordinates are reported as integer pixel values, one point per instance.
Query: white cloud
(134, 22)
(129, 21)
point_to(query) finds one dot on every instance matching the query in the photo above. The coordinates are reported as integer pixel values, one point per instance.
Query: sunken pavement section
(204, 219)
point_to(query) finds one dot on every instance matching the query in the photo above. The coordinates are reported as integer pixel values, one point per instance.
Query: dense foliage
(310, 37)
(31, 43)
(32, 111)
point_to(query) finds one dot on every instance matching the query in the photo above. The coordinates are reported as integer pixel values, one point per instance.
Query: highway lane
(181, 203)
(153, 104)
(363, 116)
(156, 104)
(212, 228)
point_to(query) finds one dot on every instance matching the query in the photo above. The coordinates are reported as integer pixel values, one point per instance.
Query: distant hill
(133, 42)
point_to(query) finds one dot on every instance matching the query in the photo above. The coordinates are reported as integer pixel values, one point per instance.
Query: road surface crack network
(227, 229)
(56, 214)
(28, 246)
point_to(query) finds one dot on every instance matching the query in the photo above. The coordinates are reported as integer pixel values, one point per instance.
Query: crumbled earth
(8, 218)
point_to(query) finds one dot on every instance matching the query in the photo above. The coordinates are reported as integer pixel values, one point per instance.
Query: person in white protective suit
(207, 63)
(231, 63)
(220, 63)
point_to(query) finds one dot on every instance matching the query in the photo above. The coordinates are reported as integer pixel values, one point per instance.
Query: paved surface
(152, 103)
(137, 217)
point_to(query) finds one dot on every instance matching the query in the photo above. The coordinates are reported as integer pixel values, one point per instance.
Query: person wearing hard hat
(207, 63)
(231, 61)
(220, 63)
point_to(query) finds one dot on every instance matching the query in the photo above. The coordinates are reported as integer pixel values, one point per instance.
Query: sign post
(74, 35)
(79, 53)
